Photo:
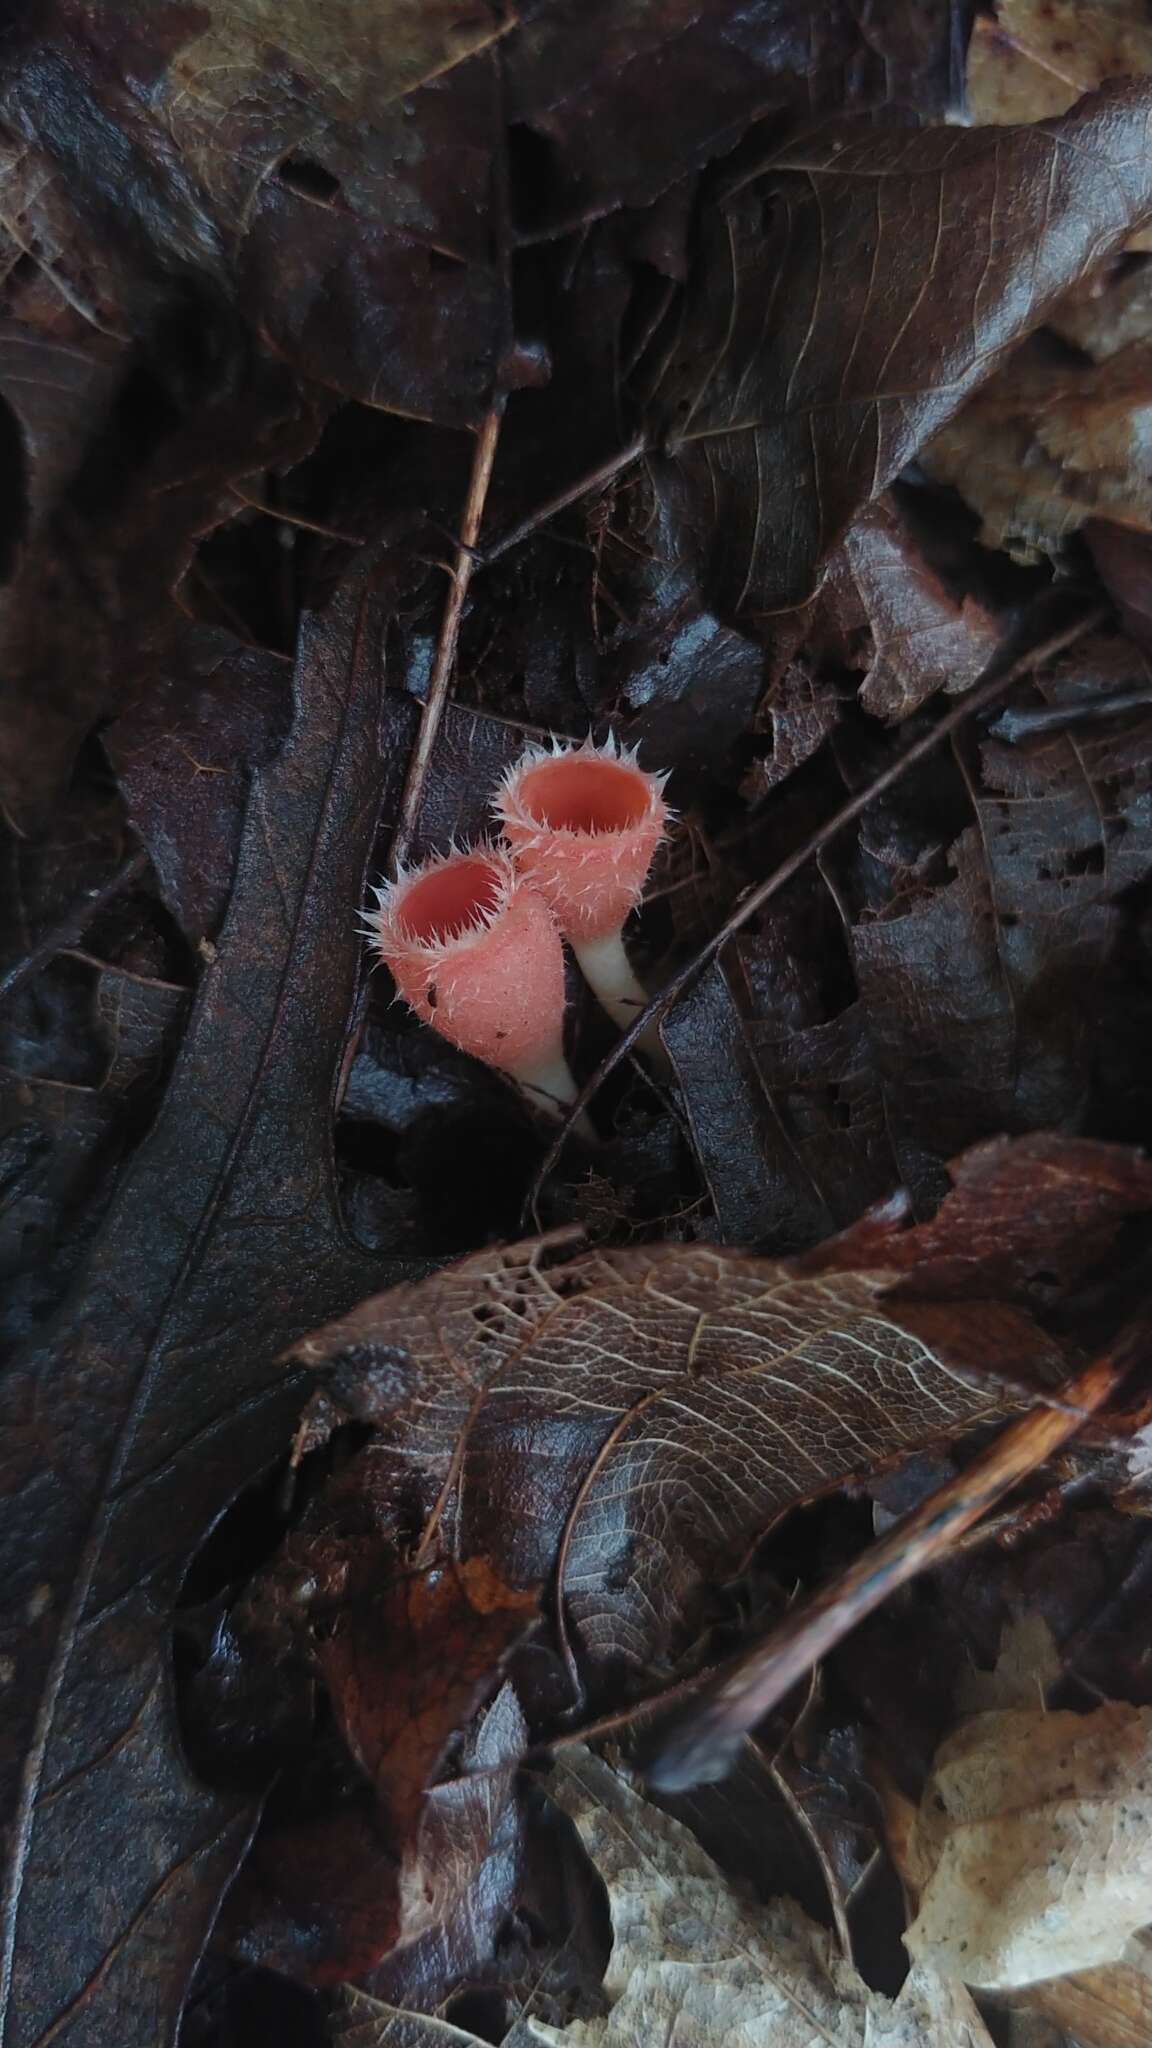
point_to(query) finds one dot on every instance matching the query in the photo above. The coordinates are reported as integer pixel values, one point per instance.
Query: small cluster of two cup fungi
(473, 937)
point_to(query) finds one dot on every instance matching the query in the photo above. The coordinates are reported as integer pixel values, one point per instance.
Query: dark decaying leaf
(58, 396)
(1022, 1220)
(271, 155)
(90, 612)
(960, 976)
(687, 682)
(328, 1897)
(1124, 561)
(155, 1393)
(180, 173)
(581, 77)
(265, 267)
(183, 756)
(851, 291)
(762, 1191)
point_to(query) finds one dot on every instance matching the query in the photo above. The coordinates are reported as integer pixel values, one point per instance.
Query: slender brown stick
(711, 1719)
(483, 458)
(647, 1019)
(1018, 725)
(351, 540)
(73, 926)
(590, 481)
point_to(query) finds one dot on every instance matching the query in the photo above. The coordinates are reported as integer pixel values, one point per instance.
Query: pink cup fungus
(583, 824)
(475, 952)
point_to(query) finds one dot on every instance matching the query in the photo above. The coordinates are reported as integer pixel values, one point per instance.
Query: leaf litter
(806, 363)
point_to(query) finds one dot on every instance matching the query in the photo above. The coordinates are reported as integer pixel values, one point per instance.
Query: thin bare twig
(483, 458)
(1018, 725)
(646, 1020)
(713, 1715)
(590, 481)
(350, 540)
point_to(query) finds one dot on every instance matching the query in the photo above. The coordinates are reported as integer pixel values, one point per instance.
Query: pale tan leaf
(1032, 1848)
(1047, 446)
(1106, 2008)
(361, 2021)
(694, 1964)
(1027, 1664)
(1035, 58)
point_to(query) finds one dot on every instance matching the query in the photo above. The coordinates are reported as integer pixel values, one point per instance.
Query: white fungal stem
(551, 1086)
(608, 971)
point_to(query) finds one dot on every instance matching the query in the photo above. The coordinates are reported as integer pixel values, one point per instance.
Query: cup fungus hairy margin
(475, 951)
(583, 824)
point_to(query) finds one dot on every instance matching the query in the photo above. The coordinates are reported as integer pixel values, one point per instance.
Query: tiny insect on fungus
(476, 953)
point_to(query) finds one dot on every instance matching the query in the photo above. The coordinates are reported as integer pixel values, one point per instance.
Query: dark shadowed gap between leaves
(591, 480)
(996, 681)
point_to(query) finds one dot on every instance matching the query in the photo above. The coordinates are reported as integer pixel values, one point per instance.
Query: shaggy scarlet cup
(583, 824)
(475, 952)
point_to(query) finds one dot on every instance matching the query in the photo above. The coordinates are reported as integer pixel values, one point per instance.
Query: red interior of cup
(581, 793)
(449, 900)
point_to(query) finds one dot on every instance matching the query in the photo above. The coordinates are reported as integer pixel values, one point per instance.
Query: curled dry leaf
(1031, 1847)
(691, 1962)
(975, 233)
(924, 638)
(1048, 445)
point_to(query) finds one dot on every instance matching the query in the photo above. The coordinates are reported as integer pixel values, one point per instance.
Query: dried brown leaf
(184, 754)
(581, 75)
(924, 638)
(274, 150)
